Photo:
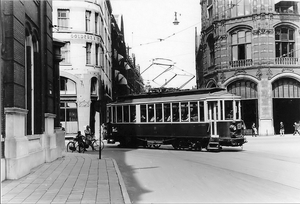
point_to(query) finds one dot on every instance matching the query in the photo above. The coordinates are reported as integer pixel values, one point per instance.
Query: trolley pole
(100, 141)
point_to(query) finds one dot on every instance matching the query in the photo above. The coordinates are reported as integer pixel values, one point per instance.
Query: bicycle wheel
(80, 148)
(102, 145)
(71, 146)
(95, 143)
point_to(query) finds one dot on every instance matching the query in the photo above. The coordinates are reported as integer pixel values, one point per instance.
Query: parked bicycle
(77, 144)
(80, 143)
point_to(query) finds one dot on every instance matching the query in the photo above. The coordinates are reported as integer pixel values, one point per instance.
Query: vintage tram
(193, 119)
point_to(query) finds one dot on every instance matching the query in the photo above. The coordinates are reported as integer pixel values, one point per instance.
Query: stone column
(49, 141)
(265, 108)
(16, 143)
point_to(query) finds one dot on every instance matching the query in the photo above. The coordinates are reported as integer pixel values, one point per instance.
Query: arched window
(33, 74)
(94, 86)
(67, 86)
(244, 88)
(284, 41)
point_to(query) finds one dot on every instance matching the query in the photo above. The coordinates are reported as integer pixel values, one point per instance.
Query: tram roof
(187, 95)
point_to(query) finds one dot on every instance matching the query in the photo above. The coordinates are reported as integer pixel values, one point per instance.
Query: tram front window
(167, 112)
(228, 110)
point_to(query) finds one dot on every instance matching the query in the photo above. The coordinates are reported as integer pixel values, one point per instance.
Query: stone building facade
(252, 48)
(30, 132)
(86, 69)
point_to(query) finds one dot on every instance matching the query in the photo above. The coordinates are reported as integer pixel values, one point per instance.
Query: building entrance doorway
(286, 111)
(248, 91)
(249, 114)
(286, 103)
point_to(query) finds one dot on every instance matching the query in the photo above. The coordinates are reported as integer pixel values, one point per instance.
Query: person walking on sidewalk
(281, 129)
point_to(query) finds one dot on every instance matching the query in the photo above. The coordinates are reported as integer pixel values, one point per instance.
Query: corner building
(29, 71)
(86, 69)
(251, 47)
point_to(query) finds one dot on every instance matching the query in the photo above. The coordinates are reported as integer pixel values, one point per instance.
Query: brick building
(29, 87)
(252, 48)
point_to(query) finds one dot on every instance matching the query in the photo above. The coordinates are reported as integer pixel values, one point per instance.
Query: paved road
(267, 170)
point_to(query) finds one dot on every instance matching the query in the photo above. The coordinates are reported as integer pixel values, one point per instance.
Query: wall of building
(76, 67)
(260, 65)
(28, 74)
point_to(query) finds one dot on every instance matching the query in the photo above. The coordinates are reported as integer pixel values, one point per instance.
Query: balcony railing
(287, 61)
(241, 63)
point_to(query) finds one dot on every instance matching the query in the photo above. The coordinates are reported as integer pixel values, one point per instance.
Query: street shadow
(134, 188)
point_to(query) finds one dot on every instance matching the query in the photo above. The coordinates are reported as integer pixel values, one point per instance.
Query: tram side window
(151, 117)
(132, 114)
(194, 111)
(143, 113)
(126, 113)
(228, 110)
(167, 112)
(119, 113)
(185, 112)
(175, 111)
(201, 107)
(158, 111)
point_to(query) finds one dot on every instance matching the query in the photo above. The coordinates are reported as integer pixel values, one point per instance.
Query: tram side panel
(139, 134)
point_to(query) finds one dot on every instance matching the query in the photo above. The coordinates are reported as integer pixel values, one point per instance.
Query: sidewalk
(74, 178)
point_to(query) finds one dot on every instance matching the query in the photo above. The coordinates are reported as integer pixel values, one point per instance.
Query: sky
(155, 40)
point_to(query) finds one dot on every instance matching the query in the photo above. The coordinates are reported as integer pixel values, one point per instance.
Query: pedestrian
(80, 139)
(296, 126)
(88, 137)
(281, 129)
(254, 130)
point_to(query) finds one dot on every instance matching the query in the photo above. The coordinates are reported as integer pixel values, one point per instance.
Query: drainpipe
(1, 65)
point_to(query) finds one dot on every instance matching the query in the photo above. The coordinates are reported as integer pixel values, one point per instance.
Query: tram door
(212, 116)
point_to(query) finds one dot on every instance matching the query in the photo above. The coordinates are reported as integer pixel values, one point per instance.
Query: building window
(96, 23)
(87, 21)
(287, 7)
(67, 86)
(94, 85)
(88, 53)
(284, 42)
(97, 54)
(240, 8)
(211, 45)
(241, 45)
(65, 53)
(63, 19)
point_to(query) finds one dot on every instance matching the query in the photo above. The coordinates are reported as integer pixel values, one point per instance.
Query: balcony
(241, 63)
(286, 61)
